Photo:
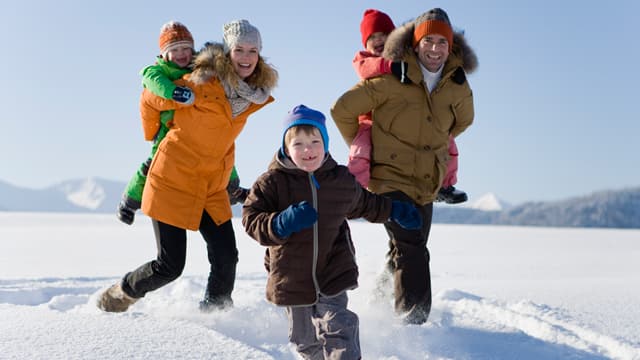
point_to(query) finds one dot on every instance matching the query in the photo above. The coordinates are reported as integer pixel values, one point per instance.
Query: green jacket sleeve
(158, 78)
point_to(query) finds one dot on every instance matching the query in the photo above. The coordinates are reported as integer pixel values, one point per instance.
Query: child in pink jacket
(374, 28)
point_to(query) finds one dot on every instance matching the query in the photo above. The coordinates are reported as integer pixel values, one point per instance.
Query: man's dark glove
(399, 70)
(406, 215)
(294, 218)
(183, 95)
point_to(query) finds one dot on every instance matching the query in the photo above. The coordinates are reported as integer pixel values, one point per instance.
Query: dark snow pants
(172, 251)
(408, 261)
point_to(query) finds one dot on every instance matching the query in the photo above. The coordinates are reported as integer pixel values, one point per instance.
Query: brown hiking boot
(115, 300)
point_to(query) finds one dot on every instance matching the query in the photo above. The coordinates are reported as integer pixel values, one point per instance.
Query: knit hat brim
(433, 27)
(175, 45)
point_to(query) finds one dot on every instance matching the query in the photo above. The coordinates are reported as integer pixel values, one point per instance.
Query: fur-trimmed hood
(400, 41)
(212, 61)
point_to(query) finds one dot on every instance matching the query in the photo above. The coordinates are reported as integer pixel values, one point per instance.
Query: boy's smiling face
(306, 149)
(180, 55)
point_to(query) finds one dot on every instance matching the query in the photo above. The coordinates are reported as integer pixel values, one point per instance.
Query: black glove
(294, 218)
(238, 196)
(126, 211)
(399, 70)
(406, 215)
(183, 95)
(236, 193)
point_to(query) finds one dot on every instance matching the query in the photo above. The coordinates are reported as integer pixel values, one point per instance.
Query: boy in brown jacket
(298, 209)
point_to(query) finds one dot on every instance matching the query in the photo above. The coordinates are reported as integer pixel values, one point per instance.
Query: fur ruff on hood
(400, 41)
(212, 61)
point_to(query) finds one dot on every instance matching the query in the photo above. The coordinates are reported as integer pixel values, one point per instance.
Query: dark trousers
(408, 261)
(171, 242)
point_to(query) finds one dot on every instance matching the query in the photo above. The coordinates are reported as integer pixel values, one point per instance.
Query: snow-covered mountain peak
(489, 202)
(85, 193)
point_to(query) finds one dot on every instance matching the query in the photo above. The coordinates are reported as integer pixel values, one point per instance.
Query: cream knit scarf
(241, 96)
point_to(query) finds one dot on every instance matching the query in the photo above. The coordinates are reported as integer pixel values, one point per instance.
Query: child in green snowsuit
(176, 53)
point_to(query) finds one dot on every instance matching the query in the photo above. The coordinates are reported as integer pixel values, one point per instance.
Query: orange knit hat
(172, 35)
(434, 21)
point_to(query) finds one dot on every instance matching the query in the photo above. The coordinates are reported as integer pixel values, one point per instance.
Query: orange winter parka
(190, 171)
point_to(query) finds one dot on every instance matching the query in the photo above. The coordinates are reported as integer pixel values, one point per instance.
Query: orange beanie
(434, 21)
(174, 34)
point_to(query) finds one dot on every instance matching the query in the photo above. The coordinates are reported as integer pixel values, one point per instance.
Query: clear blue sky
(556, 91)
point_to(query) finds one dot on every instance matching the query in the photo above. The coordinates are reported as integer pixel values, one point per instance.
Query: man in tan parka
(410, 136)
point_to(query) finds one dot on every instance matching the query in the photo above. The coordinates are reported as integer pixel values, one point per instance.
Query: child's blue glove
(183, 95)
(294, 218)
(406, 215)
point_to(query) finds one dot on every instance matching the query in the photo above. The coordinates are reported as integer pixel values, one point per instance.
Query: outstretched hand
(294, 218)
(406, 215)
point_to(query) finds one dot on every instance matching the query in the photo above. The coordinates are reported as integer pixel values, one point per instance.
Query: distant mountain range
(608, 209)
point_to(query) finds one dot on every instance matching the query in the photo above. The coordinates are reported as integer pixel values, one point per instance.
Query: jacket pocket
(393, 162)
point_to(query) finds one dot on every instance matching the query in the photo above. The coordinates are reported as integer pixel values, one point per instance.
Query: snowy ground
(499, 293)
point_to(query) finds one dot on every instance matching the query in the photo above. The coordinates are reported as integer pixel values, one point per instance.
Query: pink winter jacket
(366, 65)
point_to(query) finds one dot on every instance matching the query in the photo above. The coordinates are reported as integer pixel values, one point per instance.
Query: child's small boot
(451, 195)
(114, 299)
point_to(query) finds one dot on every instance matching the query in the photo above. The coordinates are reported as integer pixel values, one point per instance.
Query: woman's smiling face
(244, 58)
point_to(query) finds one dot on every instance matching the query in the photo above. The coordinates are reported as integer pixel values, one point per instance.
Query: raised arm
(156, 80)
(368, 65)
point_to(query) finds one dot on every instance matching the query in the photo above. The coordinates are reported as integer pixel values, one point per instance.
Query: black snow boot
(451, 195)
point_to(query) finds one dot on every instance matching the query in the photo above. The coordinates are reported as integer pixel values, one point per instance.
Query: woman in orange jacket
(187, 180)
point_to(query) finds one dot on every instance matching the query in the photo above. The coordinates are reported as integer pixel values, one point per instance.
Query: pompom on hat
(374, 21)
(240, 31)
(172, 35)
(302, 115)
(434, 21)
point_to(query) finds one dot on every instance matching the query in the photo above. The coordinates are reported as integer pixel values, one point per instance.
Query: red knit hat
(434, 21)
(172, 35)
(374, 21)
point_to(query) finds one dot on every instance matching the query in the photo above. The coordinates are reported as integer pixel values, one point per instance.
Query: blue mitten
(294, 218)
(406, 215)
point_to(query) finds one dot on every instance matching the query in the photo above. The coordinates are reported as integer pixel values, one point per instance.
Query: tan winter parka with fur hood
(191, 168)
(411, 127)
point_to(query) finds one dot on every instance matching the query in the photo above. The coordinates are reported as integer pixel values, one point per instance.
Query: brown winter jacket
(411, 128)
(191, 168)
(319, 259)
